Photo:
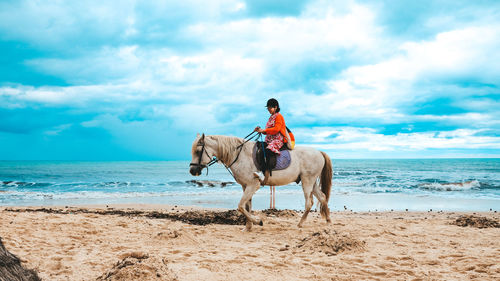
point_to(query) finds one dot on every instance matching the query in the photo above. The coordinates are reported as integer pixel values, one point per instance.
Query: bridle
(202, 166)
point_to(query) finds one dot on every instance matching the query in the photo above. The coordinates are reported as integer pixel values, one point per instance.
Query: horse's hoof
(246, 229)
(261, 223)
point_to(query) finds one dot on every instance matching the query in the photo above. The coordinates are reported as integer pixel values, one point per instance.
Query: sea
(358, 185)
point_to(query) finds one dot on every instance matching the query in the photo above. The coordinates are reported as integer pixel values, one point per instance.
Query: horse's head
(202, 152)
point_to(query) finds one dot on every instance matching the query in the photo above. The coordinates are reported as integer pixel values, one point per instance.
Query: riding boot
(263, 177)
(266, 177)
(259, 175)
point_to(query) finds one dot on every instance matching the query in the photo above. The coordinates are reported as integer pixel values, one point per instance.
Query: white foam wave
(15, 183)
(16, 195)
(453, 186)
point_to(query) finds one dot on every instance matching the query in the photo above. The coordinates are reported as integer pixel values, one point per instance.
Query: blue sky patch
(139, 80)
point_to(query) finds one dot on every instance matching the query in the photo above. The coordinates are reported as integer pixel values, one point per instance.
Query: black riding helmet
(273, 103)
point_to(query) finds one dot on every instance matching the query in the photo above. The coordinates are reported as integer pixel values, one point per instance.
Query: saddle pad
(282, 161)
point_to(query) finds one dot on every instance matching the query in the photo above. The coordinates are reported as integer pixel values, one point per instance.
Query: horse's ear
(202, 139)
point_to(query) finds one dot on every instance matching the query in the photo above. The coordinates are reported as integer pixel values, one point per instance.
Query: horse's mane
(227, 147)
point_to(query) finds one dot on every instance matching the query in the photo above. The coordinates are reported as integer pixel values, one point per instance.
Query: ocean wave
(22, 184)
(452, 186)
(209, 183)
(344, 173)
(348, 173)
(490, 185)
(116, 184)
(16, 184)
(8, 196)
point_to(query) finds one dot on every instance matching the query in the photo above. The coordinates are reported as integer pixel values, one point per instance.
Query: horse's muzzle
(195, 170)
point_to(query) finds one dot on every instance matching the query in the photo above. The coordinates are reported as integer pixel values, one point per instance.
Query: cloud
(367, 139)
(73, 28)
(55, 24)
(313, 34)
(387, 91)
(417, 20)
(377, 76)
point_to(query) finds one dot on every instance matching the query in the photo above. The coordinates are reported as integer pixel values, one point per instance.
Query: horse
(308, 164)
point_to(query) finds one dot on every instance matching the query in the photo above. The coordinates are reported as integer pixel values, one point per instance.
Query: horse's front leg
(242, 206)
(249, 223)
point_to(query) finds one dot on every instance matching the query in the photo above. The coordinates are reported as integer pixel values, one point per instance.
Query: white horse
(307, 164)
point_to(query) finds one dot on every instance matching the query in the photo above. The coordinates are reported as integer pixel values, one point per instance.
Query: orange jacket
(279, 126)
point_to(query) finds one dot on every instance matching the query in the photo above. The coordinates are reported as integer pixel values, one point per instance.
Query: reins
(249, 136)
(247, 139)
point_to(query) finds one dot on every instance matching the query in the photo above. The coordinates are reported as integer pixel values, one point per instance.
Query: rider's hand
(257, 129)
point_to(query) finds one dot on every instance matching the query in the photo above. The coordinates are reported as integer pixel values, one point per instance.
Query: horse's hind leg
(307, 187)
(322, 200)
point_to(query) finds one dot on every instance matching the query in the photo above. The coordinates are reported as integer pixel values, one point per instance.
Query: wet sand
(174, 243)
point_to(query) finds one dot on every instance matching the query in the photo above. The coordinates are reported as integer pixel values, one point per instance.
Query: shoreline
(88, 244)
(293, 201)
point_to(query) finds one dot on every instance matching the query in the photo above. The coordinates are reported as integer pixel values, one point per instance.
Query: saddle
(268, 161)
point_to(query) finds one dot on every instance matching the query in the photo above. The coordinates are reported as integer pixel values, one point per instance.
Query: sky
(137, 80)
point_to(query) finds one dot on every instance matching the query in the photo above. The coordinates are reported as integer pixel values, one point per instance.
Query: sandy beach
(180, 243)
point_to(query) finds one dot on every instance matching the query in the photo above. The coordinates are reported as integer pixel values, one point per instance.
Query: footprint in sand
(379, 273)
(279, 264)
(385, 266)
(433, 262)
(250, 255)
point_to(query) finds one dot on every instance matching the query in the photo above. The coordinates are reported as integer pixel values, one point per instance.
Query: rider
(275, 131)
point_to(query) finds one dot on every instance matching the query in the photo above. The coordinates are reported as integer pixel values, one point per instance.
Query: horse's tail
(326, 183)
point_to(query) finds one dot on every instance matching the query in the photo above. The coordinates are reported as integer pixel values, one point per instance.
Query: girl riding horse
(276, 136)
